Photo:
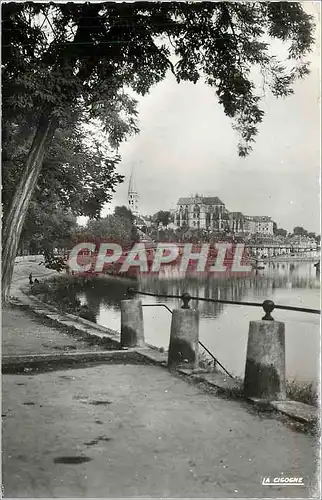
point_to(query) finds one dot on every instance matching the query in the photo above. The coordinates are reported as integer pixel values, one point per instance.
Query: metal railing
(267, 305)
(157, 305)
(216, 361)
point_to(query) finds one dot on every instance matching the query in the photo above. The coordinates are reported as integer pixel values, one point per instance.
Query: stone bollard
(132, 330)
(184, 337)
(265, 360)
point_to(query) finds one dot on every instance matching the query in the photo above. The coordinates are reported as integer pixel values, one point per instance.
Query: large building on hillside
(236, 222)
(256, 224)
(210, 214)
(200, 212)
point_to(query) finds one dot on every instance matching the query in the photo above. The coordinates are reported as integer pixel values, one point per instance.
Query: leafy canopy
(76, 60)
(48, 227)
(118, 227)
(163, 217)
(300, 231)
(78, 174)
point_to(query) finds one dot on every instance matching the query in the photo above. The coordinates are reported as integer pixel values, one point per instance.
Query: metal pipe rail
(267, 305)
(157, 305)
(200, 343)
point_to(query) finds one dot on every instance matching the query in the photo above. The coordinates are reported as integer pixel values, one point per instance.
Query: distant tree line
(119, 227)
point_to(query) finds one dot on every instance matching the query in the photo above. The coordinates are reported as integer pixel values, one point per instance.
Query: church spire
(133, 197)
(132, 183)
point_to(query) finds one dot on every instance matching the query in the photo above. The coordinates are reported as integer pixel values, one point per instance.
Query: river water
(224, 328)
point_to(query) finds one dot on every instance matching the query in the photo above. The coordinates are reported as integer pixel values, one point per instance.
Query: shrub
(302, 392)
(39, 288)
(206, 362)
(86, 313)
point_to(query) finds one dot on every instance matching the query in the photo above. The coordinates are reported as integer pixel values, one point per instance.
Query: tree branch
(225, 8)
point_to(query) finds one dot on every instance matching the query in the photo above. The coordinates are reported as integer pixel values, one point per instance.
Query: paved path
(24, 333)
(152, 435)
(21, 273)
(22, 270)
(138, 430)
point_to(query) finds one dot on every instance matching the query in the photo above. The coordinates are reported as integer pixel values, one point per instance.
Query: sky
(187, 145)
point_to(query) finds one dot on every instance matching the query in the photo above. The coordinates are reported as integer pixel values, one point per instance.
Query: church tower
(133, 197)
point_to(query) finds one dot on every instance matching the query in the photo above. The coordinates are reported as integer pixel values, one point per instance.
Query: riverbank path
(131, 430)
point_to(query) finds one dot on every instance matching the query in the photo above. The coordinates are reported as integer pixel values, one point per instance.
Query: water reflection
(109, 292)
(221, 325)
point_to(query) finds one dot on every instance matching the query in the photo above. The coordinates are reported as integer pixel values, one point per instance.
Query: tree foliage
(118, 227)
(279, 231)
(162, 217)
(300, 231)
(78, 174)
(48, 227)
(125, 213)
(88, 54)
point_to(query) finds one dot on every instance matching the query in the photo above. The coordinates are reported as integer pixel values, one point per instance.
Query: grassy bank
(303, 392)
(61, 292)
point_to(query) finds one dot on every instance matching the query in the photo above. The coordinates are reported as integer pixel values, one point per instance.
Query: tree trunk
(19, 205)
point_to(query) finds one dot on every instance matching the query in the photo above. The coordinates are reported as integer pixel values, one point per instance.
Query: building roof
(259, 218)
(200, 200)
(300, 237)
(236, 214)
